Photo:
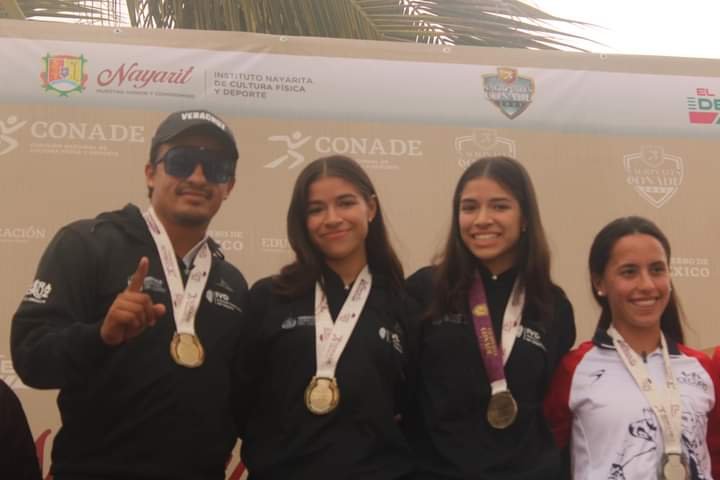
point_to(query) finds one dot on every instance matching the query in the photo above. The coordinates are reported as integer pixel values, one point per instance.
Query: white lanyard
(510, 326)
(667, 406)
(511, 320)
(185, 300)
(331, 339)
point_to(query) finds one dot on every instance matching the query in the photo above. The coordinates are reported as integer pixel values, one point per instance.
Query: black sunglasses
(181, 162)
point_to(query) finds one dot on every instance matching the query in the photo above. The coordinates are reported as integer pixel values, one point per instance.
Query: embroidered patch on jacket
(300, 321)
(221, 300)
(152, 284)
(39, 292)
(391, 337)
(532, 336)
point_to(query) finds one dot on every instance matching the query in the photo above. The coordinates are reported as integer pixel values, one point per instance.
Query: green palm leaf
(87, 11)
(490, 23)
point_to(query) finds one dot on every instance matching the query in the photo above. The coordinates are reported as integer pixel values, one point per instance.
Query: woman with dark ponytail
(635, 403)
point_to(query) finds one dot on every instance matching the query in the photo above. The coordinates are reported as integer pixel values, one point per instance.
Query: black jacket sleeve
(18, 458)
(55, 334)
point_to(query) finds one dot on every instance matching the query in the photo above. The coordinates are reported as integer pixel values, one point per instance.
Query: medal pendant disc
(322, 395)
(187, 350)
(502, 410)
(673, 468)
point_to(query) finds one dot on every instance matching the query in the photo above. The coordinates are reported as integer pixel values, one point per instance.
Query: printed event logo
(293, 142)
(704, 107)
(508, 91)
(371, 152)
(78, 138)
(654, 174)
(7, 128)
(64, 74)
(139, 77)
(482, 143)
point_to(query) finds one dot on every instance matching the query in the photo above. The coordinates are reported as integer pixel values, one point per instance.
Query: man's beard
(191, 220)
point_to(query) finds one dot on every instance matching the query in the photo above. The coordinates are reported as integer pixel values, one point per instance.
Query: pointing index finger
(138, 278)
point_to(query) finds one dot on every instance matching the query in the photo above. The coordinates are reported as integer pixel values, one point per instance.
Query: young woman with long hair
(495, 327)
(331, 339)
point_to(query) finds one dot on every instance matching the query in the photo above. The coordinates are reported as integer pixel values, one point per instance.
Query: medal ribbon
(667, 406)
(185, 300)
(495, 358)
(331, 339)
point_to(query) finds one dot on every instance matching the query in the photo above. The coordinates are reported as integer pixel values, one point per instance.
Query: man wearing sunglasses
(137, 318)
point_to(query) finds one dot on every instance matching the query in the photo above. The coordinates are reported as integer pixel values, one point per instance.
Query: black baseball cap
(184, 120)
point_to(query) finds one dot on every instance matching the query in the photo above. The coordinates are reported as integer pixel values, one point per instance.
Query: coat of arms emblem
(64, 74)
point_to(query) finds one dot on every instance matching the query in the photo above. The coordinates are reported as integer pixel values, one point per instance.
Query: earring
(600, 293)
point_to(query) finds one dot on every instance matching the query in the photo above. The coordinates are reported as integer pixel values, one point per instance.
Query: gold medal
(674, 468)
(502, 410)
(322, 395)
(187, 350)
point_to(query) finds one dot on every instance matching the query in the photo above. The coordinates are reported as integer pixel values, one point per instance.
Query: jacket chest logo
(222, 300)
(152, 284)
(531, 336)
(391, 337)
(300, 321)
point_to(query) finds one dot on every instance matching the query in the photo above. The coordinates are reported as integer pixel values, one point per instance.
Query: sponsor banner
(301, 86)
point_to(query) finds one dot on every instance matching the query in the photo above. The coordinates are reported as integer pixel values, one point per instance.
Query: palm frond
(494, 23)
(103, 12)
(490, 23)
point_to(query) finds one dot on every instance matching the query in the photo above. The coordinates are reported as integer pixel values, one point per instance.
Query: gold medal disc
(322, 395)
(502, 410)
(674, 468)
(187, 350)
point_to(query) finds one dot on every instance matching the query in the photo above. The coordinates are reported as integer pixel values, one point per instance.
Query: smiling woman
(494, 330)
(337, 221)
(332, 348)
(635, 386)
